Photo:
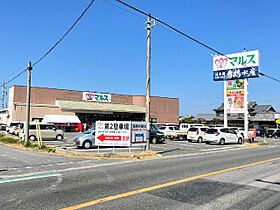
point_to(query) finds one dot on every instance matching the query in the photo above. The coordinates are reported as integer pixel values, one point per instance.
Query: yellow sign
(277, 121)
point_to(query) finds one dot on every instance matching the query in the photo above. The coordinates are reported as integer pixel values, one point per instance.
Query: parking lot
(170, 147)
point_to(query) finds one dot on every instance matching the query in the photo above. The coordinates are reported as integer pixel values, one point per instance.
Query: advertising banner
(235, 84)
(88, 96)
(112, 133)
(249, 72)
(235, 104)
(231, 93)
(138, 133)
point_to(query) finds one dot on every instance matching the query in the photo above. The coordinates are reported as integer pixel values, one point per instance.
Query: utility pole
(225, 105)
(27, 119)
(3, 95)
(148, 80)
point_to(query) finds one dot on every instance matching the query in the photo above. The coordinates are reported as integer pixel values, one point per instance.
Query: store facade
(89, 107)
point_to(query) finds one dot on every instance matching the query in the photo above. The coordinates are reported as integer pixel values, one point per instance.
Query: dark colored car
(277, 133)
(261, 132)
(156, 136)
(270, 133)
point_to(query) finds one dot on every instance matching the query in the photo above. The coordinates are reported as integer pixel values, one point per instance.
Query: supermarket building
(87, 107)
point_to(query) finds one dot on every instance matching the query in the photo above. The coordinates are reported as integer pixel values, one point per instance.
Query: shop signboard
(113, 133)
(236, 66)
(100, 97)
(235, 84)
(235, 101)
(277, 118)
(138, 133)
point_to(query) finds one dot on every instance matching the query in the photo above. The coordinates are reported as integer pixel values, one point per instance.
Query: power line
(265, 75)
(189, 37)
(64, 35)
(52, 48)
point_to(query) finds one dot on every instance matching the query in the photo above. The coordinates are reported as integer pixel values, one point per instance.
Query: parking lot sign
(113, 133)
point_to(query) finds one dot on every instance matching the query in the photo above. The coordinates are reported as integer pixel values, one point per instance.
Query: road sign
(112, 133)
(236, 66)
(138, 133)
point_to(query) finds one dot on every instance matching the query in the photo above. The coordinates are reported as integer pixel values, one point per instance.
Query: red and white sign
(88, 96)
(112, 133)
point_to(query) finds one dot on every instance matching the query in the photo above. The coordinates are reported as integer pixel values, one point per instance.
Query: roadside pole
(148, 80)
(225, 104)
(3, 95)
(29, 68)
(246, 110)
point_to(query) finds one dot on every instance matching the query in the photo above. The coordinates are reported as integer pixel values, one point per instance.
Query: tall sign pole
(27, 119)
(246, 121)
(225, 104)
(3, 95)
(148, 80)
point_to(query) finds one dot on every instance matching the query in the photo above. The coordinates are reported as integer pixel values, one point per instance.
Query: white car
(222, 136)
(168, 128)
(197, 134)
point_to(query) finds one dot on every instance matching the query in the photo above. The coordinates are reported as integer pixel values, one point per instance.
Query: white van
(186, 126)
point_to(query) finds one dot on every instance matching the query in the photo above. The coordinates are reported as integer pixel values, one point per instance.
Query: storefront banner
(138, 133)
(241, 73)
(87, 96)
(112, 133)
(236, 60)
(235, 104)
(231, 93)
(235, 84)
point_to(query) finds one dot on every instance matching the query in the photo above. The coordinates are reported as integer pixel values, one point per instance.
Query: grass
(31, 145)
(265, 143)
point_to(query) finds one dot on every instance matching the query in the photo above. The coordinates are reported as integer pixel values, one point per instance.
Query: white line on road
(27, 178)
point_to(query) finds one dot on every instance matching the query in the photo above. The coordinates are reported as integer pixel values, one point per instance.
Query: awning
(86, 106)
(61, 119)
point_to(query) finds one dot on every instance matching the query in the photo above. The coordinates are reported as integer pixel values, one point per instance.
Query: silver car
(86, 139)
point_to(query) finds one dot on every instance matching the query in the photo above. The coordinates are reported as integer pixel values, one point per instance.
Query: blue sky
(106, 51)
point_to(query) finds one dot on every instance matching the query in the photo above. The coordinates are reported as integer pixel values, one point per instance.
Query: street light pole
(148, 80)
(27, 119)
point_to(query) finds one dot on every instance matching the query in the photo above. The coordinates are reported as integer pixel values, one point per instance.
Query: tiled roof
(263, 109)
(263, 117)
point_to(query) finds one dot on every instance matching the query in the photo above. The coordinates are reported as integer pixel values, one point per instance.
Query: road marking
(27, 178)
(217, 148)
(134, 192)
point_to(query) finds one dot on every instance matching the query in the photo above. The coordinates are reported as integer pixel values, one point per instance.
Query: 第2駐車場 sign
(236, 65)
(112, 133)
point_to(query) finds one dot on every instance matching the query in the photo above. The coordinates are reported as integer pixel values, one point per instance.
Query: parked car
(186, 126)
(277, 133)
(167, 129)
(85, 140)
(48, 132)
(261, 132)
(13, 125)
(270, 133)
(222, 136)
(156, 136)
(197, 134)
(239, 130)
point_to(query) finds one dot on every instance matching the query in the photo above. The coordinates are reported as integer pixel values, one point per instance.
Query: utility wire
(52, 48)
(265, 75)
(189, 37)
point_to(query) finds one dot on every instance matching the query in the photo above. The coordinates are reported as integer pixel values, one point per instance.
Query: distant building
(259, 115)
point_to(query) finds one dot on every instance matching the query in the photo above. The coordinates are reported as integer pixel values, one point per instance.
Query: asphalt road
(141, 184)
